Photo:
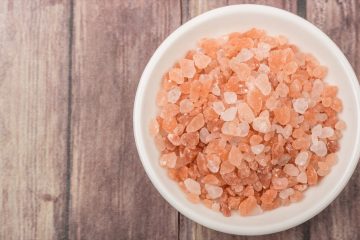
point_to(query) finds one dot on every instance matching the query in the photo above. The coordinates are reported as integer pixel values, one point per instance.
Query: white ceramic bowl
(300, 32)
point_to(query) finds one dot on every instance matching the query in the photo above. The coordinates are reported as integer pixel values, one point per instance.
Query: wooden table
(68, 75)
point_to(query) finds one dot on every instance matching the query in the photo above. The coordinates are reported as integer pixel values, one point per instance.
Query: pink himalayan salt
(291, 170)
(302, 158)
(213, 163)
(173, 95)
(235, 156)
(319, 148)
(226, 167)
(263, 68)
(247, 206)
(262, 51)
(282, 90)
(244, 55)
(257, 149)
(175, 74)
(196, 123)
(204, 134)
(168, 159)
(174, 139)
(218, 107)
(187, 68)
(340, 125)
(279, 183)
(286, 193)
(201, 60)
(300, 105)
(302, 177)
(154, 127)
(229, 114)
(235, 129)
(261, 124)
(213, 192)
(245, 113)
(186, 106)
(192, 186)
(230, 97)
(216, 90)
(327, 132)
(263, 84)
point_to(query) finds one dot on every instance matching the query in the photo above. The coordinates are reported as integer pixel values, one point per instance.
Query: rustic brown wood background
(68, 75)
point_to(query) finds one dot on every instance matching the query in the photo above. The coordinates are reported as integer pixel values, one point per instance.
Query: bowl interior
(309, 39)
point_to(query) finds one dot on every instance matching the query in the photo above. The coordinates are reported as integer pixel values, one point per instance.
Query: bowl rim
(176, 203)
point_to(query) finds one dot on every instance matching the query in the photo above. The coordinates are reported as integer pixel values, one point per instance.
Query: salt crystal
(317, 89)
(204, 134)
(215, 206)
(192, 186)
(196, 123)
(284, 194)
(257, 149)
(263, 84)
(213, 192)
(319, 148)
(226, 167)
(175, 74)
(327, 132)
(187, 67)
(340, 125)
(300, 105)
(321, 117)
(173, 95)
(302, 158)
(244, 55)
(291, 170)
(235, 129)
(282, 89)
(230, 97)
(229, 114)
(213, 163)
(218, 107)
(235, 156)
(201, 60)
(261, 124)
(154, 127)
(302, 177)
(245, 113)
(216, 90)
(280, 182)
(186, 106)
(168, 159)
(263, 68)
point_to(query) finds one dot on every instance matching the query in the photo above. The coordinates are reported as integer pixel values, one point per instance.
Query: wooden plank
(34, 47)
(339, 19)
(111, 196)
(189, 229)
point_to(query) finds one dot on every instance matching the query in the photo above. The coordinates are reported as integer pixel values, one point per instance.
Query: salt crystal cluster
(246, 123)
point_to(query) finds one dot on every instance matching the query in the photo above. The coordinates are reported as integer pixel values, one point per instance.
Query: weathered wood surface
(68, 76)
(34, 68)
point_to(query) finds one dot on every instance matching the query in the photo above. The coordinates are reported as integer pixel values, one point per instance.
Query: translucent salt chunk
(302, 158)
(216, 90)
(186, 106)
(173, 95)
(319, 148)
(263, 84)
(261, 124)
(245, 113)
(204, 134)
(284, 194)
(192, 186)
(218, 107)
(327, 132)
(302, 177)
(244, 55)
(257, 149)
(300, 105)
(229, 114)
(213, 192)
(291, 170)
(230, 97)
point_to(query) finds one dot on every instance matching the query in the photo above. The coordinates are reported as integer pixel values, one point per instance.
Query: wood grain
(111, 196)
(34, 43)
(339, 19)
